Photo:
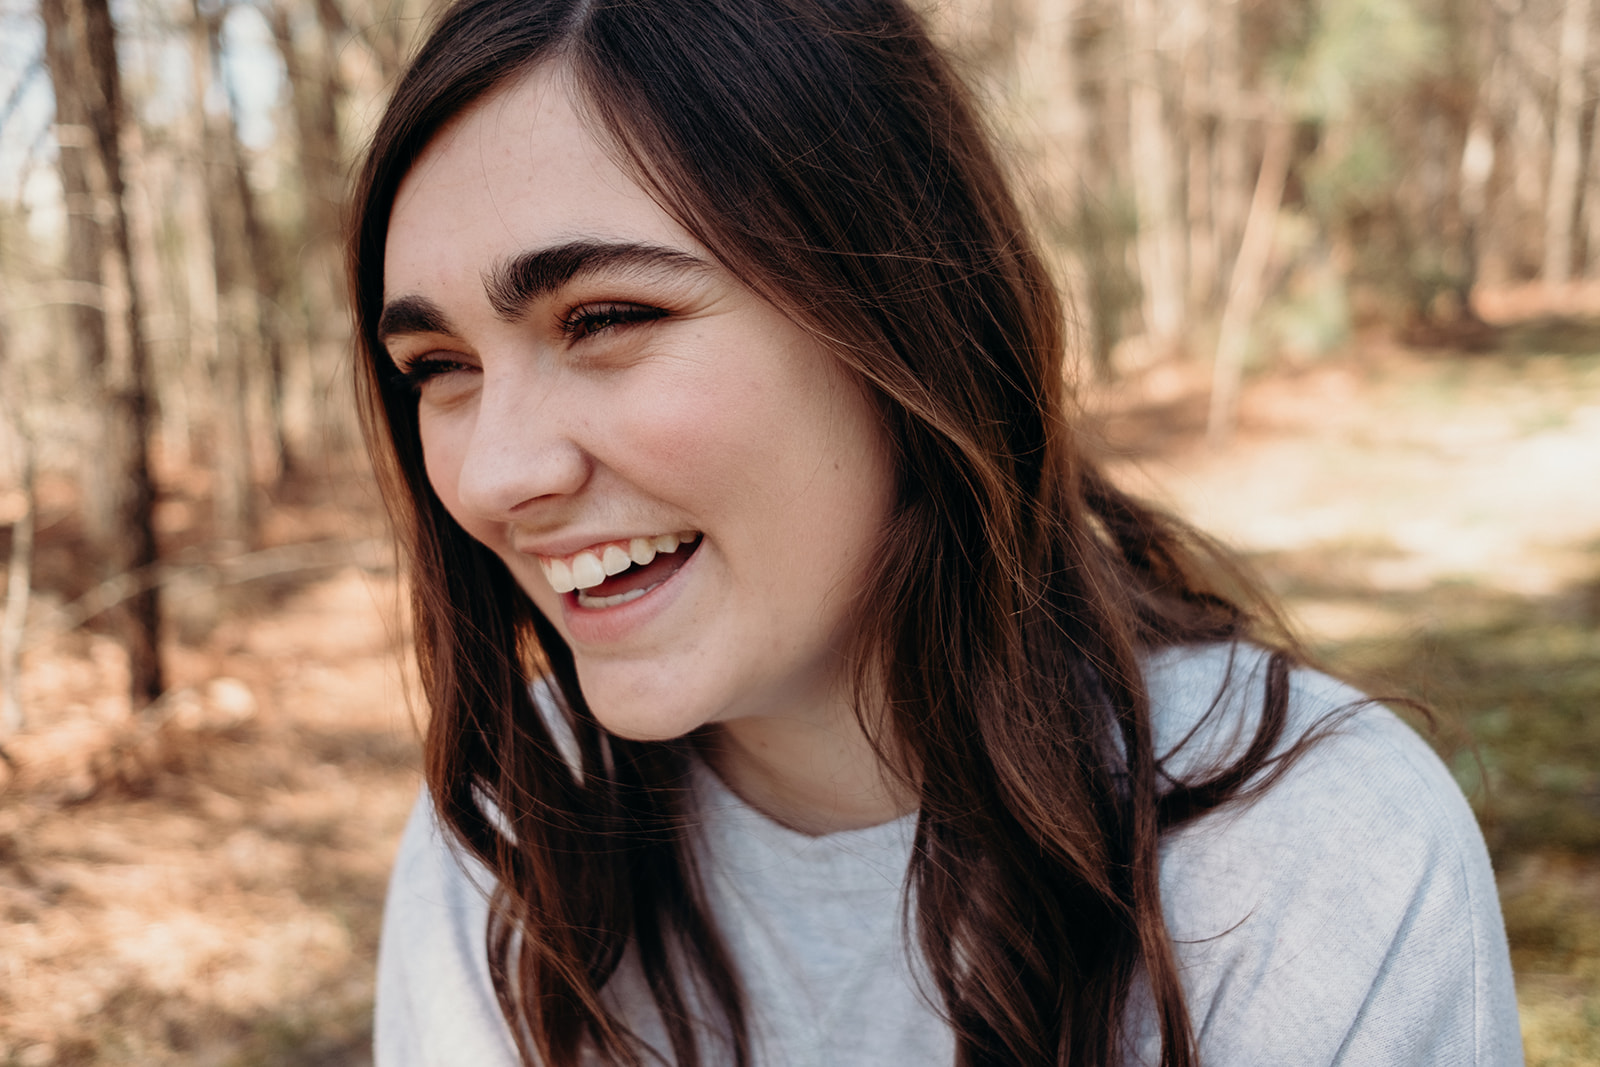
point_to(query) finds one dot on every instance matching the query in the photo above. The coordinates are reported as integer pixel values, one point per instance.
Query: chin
(636, 728)
(643, 719)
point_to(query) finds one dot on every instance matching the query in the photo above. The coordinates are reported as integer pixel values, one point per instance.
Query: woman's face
(593, 389)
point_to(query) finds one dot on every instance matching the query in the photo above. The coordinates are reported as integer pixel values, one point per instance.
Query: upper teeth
(592, 566)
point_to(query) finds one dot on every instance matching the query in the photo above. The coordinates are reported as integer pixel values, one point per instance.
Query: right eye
(417, 373)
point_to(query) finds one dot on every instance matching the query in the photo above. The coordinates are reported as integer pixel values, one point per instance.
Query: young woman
(800, 692)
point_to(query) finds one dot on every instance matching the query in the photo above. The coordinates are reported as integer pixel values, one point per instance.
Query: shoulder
(435, 1002)
(1349, 913)
(1205, 706)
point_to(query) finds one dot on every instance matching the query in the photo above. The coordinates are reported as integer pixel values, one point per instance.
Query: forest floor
(204, 887)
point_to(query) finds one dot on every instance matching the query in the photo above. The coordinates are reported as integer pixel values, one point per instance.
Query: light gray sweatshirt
(1348, 916)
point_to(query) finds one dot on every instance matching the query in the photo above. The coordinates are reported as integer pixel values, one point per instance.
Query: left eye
(586, 320)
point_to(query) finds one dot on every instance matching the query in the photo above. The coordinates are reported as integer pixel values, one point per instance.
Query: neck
(815, 778)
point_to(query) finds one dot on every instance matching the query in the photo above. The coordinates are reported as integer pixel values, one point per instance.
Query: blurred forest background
(1335, 270)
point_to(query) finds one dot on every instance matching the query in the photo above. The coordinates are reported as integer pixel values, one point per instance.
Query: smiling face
(680, 477)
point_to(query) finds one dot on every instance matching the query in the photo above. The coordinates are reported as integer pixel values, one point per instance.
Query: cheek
(674, 436)
(442, 456)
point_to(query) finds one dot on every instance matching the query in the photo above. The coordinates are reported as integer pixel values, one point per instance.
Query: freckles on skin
(718, 415)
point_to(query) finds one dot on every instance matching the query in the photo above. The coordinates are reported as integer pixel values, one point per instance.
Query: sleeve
(1348, 916)
(435, 1002)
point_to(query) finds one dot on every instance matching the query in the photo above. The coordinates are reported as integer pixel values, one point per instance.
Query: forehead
(520, 169)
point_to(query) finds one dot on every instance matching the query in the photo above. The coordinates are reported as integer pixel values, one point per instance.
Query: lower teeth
(587, 601)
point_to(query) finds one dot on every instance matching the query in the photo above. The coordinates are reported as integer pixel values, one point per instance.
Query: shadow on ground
(1557, 335)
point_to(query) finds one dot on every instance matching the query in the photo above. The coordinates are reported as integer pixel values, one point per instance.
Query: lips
(616, 572)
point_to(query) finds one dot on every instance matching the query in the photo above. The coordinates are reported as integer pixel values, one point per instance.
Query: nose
(522, 452)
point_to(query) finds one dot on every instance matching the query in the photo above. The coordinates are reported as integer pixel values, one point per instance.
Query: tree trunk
(237, 323)
(1153, 163)
(1561, 197)
(1249, 268)
(19, 587)
(80, 50)
(315, 92)
(262, 260)
(86, 237)
(188, 203)
(19, 571)
(1199, 126)
(1477, 165)
(1231, 160)
(1049, 72)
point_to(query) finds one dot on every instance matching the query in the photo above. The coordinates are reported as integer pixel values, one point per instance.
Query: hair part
(826, 153)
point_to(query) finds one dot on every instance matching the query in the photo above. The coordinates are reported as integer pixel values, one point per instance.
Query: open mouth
(609, 575)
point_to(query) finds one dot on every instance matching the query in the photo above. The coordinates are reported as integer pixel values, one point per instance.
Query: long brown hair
(826, 153)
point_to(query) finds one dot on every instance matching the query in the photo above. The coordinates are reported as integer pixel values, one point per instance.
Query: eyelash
(417, 372)
(586, 320)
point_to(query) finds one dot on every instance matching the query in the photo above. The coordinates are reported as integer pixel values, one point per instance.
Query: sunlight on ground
(1415, 472)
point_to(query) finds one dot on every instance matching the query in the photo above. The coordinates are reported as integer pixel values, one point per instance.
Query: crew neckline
(742, 839)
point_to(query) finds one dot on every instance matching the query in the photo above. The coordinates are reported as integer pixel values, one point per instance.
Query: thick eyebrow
(412, 314)
(513, 284)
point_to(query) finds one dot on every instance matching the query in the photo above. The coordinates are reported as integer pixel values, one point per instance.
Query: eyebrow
(513, 284)
(412, 314)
